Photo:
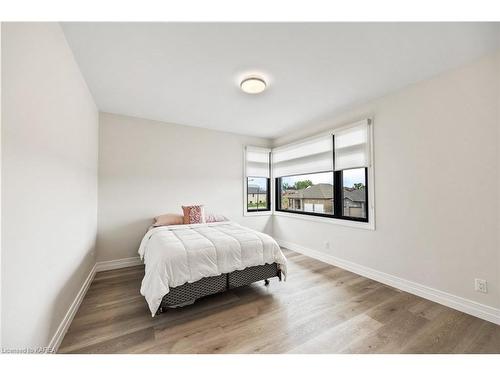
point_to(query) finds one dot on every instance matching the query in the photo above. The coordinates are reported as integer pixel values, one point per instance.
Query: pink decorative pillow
(194, 214)
(186, 210)
(168, 219)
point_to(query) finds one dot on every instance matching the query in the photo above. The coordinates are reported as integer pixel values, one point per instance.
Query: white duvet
(177, 254)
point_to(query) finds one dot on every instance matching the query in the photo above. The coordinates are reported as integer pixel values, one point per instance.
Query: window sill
(258, 213)
(328, 220)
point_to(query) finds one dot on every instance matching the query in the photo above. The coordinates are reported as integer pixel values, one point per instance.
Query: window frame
(268, 196)
(278, 198)
(338, 208)
(338, 200)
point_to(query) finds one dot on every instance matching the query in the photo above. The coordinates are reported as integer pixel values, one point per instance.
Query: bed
(187, 262)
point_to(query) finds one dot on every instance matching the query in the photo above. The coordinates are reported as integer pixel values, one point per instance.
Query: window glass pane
(257, 193)
(307, 193)
(354, 193)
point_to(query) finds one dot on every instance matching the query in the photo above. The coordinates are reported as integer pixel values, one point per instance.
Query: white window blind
(352, 147)
(312, 156)
(257, 161)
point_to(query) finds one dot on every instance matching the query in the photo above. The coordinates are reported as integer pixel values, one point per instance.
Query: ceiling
(189, 73)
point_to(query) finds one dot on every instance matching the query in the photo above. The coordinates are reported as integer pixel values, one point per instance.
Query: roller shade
(257, 161)
(312, 156)
(352, 147)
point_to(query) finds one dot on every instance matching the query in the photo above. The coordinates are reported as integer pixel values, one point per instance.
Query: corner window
(257, 176)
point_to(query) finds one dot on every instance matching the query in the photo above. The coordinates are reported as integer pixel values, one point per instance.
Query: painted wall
(49, 182)
(437, 185)
(147, 168)
(0, 183)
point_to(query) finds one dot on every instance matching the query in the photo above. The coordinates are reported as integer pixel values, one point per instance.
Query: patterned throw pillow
(193, 214)
(186, 210)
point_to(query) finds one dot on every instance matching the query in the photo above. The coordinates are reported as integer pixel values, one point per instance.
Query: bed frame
(188, 293)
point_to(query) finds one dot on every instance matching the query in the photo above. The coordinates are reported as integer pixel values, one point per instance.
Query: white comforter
(177, 254)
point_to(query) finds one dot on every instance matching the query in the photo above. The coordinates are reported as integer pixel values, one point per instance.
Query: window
(258, 194)
(310, 193)
(257, 187)
(325, 176)
(354, 193)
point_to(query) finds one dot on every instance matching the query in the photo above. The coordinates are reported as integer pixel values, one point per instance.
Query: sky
(352, 176)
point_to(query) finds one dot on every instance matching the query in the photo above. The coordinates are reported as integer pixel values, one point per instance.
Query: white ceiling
(188, 73)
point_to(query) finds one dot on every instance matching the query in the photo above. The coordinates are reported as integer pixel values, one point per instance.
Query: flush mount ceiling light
(253, 85)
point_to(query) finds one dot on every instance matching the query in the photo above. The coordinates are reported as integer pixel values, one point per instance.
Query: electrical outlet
(327, 244)
(481, 285)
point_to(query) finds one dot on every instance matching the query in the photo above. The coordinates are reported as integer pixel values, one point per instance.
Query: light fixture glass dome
(253, 85)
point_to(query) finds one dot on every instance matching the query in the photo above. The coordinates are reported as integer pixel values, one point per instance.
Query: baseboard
(467, 306)
(117, 263)
(70, 314)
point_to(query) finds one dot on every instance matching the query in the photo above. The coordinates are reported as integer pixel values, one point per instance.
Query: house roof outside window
(355, 195)
(255, 189)
(325, 191)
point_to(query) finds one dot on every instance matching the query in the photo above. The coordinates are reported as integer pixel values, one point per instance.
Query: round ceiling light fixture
(253, 85)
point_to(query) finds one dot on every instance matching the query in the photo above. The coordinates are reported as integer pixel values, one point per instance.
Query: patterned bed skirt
(188, 293)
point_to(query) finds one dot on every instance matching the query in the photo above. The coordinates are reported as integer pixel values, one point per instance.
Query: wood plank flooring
(320, 309)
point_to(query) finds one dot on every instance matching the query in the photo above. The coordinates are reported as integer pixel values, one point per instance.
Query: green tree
(299, 185)
(358, 186)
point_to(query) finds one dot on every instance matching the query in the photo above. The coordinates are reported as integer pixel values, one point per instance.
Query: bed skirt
(188, 293)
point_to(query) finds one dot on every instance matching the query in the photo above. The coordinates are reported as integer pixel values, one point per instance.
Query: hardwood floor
(320, 309)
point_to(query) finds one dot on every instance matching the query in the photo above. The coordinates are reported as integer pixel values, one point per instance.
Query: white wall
(49, 177)
(0, 183)
(498, 169)
(437, 185)
(147, 168)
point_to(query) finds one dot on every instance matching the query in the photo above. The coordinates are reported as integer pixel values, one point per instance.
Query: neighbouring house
(315, 198)
(354, 202)
(257, 196)
(319, 198)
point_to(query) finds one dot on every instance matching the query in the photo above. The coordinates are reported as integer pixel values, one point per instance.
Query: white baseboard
(70, 314)
(117, 263)
(467, 306)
